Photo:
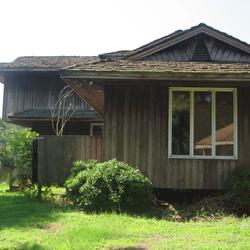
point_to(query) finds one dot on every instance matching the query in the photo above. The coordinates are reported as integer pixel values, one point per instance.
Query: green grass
(29, 224)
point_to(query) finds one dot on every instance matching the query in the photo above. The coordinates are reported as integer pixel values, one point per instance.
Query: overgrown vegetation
(238, 190)
(108, 186)
(26, 223)
(16, 152)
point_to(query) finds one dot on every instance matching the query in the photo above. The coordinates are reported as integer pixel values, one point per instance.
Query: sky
(92, 27)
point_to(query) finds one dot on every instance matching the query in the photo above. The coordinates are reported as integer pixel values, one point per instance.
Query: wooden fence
(54, 155)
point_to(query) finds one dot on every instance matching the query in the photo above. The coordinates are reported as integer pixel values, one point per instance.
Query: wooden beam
(173, 76)
(88, 91)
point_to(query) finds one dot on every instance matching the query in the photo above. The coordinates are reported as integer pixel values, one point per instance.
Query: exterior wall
(24, 91)
(136, 131)
(55, 155)
(71, 128)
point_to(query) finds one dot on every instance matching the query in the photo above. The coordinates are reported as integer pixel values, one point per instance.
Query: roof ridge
(157, 41)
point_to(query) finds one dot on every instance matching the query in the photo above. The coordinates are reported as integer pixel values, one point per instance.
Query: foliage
(20, 152)
(238, 186)
(111, 185)
(53, 194)
(16, 150)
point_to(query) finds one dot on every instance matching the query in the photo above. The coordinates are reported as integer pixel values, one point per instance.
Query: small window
(202, 123)
(96, 129)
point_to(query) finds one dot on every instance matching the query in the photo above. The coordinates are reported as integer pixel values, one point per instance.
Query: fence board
(57, 153)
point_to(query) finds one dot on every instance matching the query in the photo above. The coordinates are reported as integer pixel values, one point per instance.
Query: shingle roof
(115, 55)
(4, 65)
(162, 66)
(46, 114)
(55, 62)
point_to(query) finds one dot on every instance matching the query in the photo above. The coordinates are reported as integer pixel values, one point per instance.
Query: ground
(26, 223)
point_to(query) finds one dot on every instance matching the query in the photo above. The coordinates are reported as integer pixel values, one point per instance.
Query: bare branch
(63, 110)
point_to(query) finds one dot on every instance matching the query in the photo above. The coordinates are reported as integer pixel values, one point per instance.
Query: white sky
(91, 27)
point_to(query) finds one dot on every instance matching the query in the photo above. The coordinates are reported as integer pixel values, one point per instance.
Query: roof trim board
(175, 76)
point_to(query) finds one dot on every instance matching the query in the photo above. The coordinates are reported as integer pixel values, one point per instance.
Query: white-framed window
(202, 123)
(96, 128)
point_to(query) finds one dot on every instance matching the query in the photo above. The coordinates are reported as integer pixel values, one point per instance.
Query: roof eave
(176, 76)
(28, 69)
(35, 119)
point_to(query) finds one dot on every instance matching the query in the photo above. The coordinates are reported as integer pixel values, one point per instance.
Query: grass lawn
(29, 224)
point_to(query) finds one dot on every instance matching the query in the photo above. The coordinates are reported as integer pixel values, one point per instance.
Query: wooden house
(177, 108)
(31, 89)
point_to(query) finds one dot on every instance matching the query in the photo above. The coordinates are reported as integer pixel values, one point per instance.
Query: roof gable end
(181, 36)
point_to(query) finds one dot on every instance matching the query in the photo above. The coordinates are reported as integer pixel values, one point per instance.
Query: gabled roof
(180, 36)
(40, 63)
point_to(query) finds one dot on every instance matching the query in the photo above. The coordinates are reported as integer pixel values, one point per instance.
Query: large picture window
(203, 123)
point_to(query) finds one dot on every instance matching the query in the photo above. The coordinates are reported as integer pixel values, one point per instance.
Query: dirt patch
(142, 246)
(54, 227)
(51, 228)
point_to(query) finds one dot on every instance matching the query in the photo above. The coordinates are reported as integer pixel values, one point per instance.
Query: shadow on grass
(18, 210)
(130, 248)
(30, 246)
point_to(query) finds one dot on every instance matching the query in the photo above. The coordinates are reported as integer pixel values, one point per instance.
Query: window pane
(202, 123)
(97, 130)
(180, 122)
(224, 124)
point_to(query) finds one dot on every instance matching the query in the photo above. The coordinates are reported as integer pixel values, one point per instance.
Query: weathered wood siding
(24, 91)
(136, 131)
(71, 128)
(56, 155)
(218, 51)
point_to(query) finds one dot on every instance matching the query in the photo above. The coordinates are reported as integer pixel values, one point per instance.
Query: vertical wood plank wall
(34, 91)
(56, 155)
(136, 131)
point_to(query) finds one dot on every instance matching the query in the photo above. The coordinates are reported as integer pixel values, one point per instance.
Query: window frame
(94, 124)
(213, 121)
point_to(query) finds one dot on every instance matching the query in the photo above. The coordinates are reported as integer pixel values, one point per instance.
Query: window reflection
(224, 124)
(202, 123)
(180, 122)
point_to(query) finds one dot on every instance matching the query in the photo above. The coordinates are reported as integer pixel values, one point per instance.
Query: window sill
(186, 157)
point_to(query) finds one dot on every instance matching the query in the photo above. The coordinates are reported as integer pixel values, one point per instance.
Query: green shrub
(19, 153)
(16, 152)
(108, 186)
(238, 186)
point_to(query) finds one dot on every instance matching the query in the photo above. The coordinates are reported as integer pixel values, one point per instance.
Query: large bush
(108, 186)
(16, 152)
(238, 188)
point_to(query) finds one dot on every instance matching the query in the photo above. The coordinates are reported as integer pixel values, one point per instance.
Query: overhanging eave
(185, 76)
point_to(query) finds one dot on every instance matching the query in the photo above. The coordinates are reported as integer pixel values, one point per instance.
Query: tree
(19, 152)
(63, 110)
(16, 152)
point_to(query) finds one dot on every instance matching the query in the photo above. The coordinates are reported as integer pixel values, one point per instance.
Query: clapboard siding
(136, 131)
(218, 51)
(24, 91)
(57, 153)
